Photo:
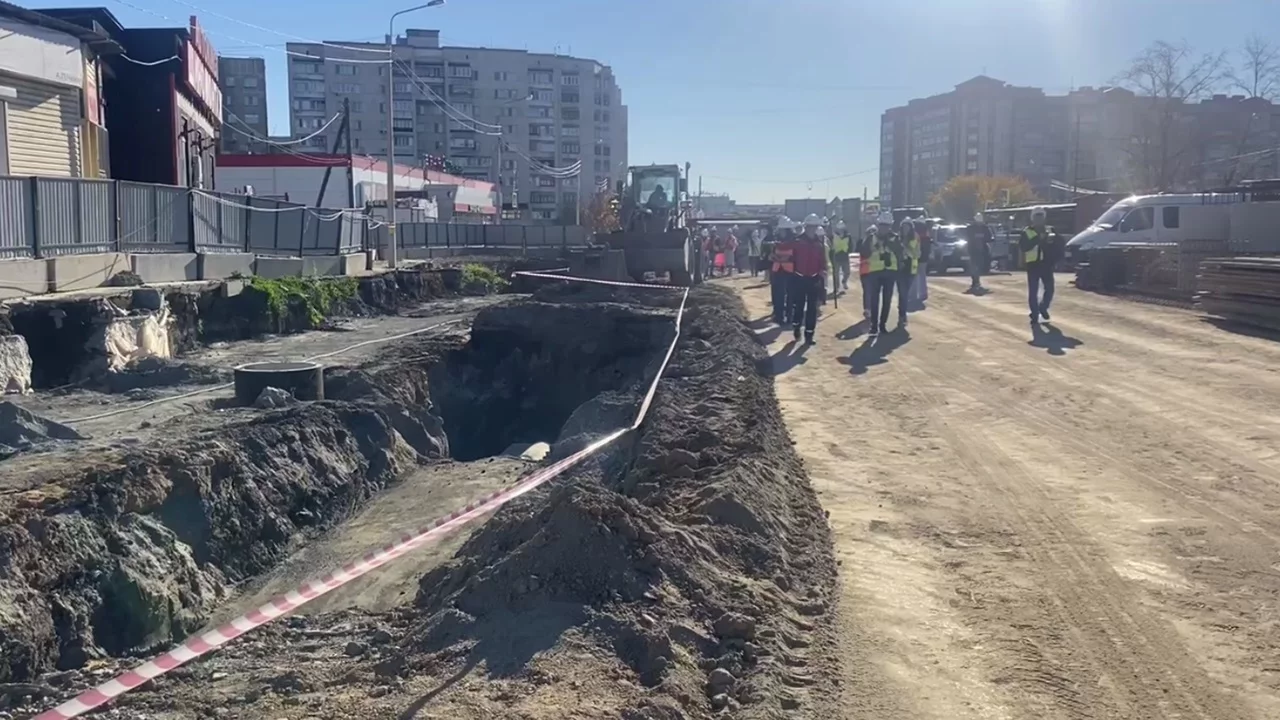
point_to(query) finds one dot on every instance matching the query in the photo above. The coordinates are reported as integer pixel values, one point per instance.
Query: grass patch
(482, 279)
(318, 294)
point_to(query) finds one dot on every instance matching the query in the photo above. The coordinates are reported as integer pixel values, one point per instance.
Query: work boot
(808, 339)
(795, 332)
(902, 322)
(884, 328)
(1045, 314)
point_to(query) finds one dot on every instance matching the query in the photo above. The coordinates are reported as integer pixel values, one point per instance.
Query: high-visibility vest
(1036, 253)
(782, 257)
(881, 256)
(840, 245)
(911, 255)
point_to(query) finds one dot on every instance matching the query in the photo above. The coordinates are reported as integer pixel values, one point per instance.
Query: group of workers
(800, 257)
(723, 252)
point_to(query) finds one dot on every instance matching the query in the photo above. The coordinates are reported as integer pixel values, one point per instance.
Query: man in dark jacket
(809, 279)
(1041, 248)
(980, 238)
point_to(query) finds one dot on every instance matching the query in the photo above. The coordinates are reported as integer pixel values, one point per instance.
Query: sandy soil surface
(1076, 524)
(429, 493)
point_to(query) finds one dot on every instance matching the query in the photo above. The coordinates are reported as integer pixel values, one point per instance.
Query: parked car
(950, 248)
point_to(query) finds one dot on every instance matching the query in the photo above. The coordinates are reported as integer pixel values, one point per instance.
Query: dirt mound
(554, 291)
(22, 430)
(150, 373)
(690, 552)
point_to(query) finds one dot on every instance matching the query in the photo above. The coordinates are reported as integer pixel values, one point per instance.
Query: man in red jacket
(809, 278)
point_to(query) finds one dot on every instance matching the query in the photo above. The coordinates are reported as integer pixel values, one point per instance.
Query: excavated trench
(529, 368)
(139, 550)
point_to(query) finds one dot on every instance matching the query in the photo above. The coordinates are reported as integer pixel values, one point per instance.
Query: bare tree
(1258, 72)
(1166, 77)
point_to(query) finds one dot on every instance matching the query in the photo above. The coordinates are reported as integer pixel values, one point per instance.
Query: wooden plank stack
(1244, 290)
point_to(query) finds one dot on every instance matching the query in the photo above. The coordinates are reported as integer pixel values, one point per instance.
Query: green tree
(964, 195)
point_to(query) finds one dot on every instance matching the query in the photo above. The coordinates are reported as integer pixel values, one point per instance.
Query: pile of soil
(133, 554)
(22, 430)
(686, 572)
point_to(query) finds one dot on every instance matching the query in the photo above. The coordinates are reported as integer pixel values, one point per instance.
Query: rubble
(22, 430)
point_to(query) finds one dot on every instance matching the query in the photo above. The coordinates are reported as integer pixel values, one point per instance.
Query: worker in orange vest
(864, 265)
(782, 269)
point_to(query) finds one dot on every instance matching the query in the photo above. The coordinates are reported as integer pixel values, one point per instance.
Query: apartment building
(1100, 138)
(244, 104)
(552, 109)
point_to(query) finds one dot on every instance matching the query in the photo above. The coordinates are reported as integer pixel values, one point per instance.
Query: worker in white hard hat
(1041, 248)
(880, 260)
(980, 239)
(809, 278)
(908, 251)
(841, 246)
(704, 253)
(782, 269)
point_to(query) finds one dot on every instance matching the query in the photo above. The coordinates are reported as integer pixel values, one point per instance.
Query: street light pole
(501, 141)
(391, 126)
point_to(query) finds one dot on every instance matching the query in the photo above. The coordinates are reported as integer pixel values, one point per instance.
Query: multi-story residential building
(498, 115)
(1105, 139)
(244, 104)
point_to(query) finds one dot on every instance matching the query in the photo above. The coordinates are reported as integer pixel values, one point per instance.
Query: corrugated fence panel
(235, 221)
(206, 218)
(173, 219)
(16, 238)
(69, 221)
(291, 231)
(328, 232)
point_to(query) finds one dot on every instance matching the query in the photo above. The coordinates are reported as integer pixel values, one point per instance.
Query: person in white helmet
(809, 279)
(783, 259)
(841, 246)
(880, 257)
(980, 238)
(1041, 248)
(704, 253)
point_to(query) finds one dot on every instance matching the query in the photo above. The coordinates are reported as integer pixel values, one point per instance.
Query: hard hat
(705, 232)
(907, 222)
(977, 217)
(840, 225)
(884, 219)
(812, 220)
(822, 232)
(1038, 212)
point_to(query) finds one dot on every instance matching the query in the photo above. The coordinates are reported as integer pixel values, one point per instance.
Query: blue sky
(760, 95)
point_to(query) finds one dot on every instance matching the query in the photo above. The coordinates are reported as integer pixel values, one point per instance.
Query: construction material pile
(1241, 290)
(1150, 270)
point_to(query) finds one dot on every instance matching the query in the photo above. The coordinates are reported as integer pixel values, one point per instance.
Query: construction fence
(47, 216)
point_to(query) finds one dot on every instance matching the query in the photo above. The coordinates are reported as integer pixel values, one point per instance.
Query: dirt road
(1081, 524)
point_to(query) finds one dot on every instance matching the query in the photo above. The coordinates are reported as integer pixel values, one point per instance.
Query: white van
(1157, 219)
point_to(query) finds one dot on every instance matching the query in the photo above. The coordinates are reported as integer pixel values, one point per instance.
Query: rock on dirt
(272, 398)
(22, 430)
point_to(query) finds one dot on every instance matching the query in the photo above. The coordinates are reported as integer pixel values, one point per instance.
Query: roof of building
(94, 35)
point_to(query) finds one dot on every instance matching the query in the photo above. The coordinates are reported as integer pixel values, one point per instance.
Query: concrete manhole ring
(304, 380)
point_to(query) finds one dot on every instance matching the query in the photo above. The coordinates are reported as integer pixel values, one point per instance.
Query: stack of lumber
(1244, 290)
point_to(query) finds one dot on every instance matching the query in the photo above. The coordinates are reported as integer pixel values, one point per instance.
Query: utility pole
(351, 181)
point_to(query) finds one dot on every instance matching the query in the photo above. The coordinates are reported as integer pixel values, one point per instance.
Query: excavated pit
(529, 368)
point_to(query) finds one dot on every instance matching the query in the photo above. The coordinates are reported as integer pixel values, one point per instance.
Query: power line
(152, 63)
(228, 18)
(166, 18)
(298, 141)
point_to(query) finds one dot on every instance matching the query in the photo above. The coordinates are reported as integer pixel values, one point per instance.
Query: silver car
(950, 248)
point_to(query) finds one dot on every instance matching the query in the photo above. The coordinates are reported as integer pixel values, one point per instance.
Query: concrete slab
(165, 267)
(220, 266)
(323, 265)
(23, 277)
(275, 267)
(81, 272)
(353, 265)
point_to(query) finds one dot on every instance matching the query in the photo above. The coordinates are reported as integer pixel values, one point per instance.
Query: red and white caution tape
(594, 281)
(281, 605)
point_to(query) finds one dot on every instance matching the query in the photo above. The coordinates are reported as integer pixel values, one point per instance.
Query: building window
(542, 214)
(344, 69)
(459, 143)
(570, 114)
(569, 182)
(405, 88)
(252, 101)
(569, 96)
(301, 67)
(508, 164)
(540, 77)
(543, 181)
(570, 80)
(539, 112)
(509, 112)
(501, 76)
(569, 131)
(346, 88)
(543, 198)
(317, 141)
(542, 96)
(461, 71)
(570, 148)
(403, 140)
(357, 124)
(254, 119)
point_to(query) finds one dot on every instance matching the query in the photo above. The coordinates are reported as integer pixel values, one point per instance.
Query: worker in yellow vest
(883, 271)
(841, 246)
(782, 269)
(908, 251)
(1041, 249)
(864, 269)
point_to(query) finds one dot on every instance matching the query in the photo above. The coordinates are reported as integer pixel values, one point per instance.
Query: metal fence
(43, 217)
(468, 235)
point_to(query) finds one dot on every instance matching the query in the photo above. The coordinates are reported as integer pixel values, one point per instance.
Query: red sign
(202, 69)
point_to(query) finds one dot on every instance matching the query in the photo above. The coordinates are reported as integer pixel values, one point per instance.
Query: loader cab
(653, 198)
